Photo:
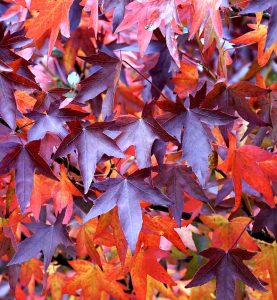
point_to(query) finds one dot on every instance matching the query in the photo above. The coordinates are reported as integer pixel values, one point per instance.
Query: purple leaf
(91, 144)
(46, 238)
(126, 194)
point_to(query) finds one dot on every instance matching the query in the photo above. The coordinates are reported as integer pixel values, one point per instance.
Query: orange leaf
(243, 163)
(186, 80)
(53, 16)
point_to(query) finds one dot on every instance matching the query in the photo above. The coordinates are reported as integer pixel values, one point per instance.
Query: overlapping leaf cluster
(138, 149)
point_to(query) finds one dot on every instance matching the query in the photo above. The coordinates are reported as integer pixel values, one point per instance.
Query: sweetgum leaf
(126, 194)
(226, 267)
(46, 238)
(91, 144)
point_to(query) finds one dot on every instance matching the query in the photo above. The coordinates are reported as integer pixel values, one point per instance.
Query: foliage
(138, 155)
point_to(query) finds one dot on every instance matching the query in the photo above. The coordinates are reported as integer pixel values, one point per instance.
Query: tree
(138, 149)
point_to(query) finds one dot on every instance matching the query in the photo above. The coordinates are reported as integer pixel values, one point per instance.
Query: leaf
(178, 179)
(91, 144)
(85, 241)
(25, 159)
(141, 133)
(126, 194)
(226, 232)
(56, 283)
(53, 16)
(233, 98)
(164, 226)
(193, 122)
(226, 267)
(266, 218)
(149, 15)
(266, 260)
(145, 264)
(46, 238)
(53, 121)
(92, 7)
(259, 6)
(258, 35)
(104, 78)
(92, 281)
(186, 80)
(245, 161)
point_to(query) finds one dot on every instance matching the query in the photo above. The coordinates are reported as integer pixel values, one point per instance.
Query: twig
(149, 81)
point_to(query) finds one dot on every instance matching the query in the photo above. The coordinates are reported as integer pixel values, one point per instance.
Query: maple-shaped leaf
(190, 127)
(91, 144)
(53, 16)
(52, 121)
(44, 100)
(46, 238)
(234, 98)
(150, 15)
(154, 286)
(179, 179)
(164, 226)
(226, 266)
(104, 78)
(55, 283)
(225, 232)
(11, 80)
(126, 193)
(85, 241)
(257, 35)
(145, 264)
(267, 217)
(25, 159)
(142, 133)
(245, 161)
(186, 79)
(259, 6)
(93, 282)
(265, 260)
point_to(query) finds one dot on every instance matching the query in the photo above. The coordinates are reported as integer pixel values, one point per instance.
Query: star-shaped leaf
(226, 267)
(91, 144)
(194, 122)
(248, 160)
(178, 179)
(141, 133)
(25, 159)
(46, 238)
(93, 282)
(126, 194)
(259, 6)
(53, 15)
(52, 121)
(104, 78)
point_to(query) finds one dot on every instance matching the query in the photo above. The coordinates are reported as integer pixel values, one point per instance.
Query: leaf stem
(149, 81)
(237, 239)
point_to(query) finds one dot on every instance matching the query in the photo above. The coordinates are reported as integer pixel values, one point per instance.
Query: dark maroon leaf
(226, 267)
(267, 217)
(125, 193)
(179, 179)
(91, 144)
(104, 78)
